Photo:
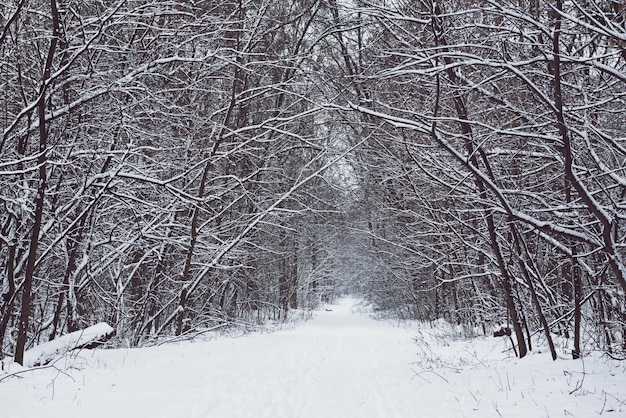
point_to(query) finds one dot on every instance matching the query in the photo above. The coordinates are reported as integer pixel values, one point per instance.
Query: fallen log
(502, 331)
(87, 338)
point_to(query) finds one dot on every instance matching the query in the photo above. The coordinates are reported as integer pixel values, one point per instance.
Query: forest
(172, 166)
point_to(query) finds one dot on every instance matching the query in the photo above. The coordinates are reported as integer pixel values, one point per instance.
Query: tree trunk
(40, 198)
(466, 130)
(8, 298)
(524, 259)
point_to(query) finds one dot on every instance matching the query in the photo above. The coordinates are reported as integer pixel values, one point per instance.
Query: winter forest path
(338, 364)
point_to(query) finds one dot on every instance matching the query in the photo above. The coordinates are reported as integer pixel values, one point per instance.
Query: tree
(490, 112)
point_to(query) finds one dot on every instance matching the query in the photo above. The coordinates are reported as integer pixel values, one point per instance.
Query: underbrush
(485, 370)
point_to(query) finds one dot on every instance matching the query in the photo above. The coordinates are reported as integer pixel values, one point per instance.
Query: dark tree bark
(40, 198)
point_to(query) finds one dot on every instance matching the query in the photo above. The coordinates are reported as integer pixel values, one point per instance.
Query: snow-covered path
(337, 365)
(340, 364)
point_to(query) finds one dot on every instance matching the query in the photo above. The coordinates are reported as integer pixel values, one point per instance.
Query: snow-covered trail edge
(339, 364)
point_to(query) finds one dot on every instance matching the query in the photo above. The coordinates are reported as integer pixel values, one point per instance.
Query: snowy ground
(339, 364)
